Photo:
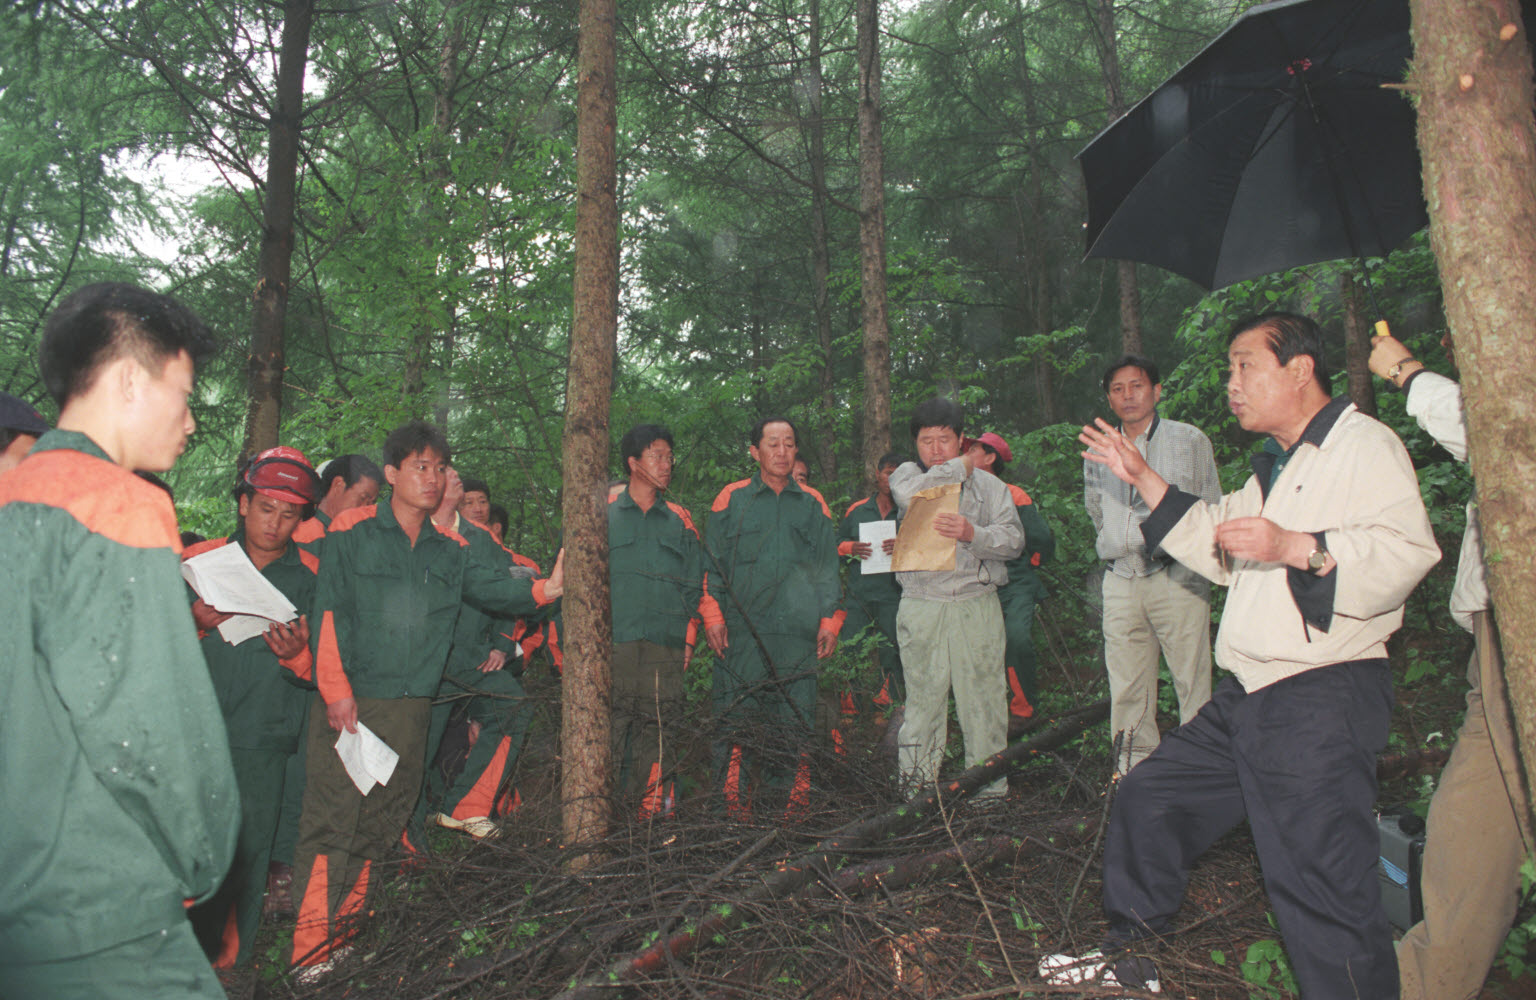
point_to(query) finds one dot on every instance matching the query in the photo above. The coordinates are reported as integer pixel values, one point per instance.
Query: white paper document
(369, 760)
(228, 581)
(875, 533)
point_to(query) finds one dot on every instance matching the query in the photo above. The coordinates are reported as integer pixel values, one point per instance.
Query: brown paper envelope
(918, 545)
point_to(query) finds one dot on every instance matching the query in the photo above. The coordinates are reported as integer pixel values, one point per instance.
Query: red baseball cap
(284, 473)
(992, 441)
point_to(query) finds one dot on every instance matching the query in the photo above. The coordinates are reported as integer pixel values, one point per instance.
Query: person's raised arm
(1117, 453)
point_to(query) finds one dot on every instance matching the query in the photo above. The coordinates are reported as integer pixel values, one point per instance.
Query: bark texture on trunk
(269, 312)
(877, 330)
(1472, 75)
(1357, 346)
(586, 775)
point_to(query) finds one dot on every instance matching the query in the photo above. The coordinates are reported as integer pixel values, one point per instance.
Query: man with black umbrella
(1318, 550)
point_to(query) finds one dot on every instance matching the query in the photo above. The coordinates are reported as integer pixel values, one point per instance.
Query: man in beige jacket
(1318, 550)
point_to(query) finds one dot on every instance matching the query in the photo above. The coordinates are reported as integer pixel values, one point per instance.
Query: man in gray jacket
(950, 625)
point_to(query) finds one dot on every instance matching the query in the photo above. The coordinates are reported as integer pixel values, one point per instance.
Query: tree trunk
(1472, 76)
(1108, 44)
(821, 264)
(586, 778)
(877, 331)
(1357, 345)
(269, 314)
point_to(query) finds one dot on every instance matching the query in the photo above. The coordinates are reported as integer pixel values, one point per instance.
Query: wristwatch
(1397, 369)
(1317, 558)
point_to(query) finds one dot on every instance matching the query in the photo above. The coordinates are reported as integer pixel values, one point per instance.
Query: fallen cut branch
(793, 876)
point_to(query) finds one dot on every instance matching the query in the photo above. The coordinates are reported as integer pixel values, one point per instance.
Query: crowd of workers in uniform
(159, 766)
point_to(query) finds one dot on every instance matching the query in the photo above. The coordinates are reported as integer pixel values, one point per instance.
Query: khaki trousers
(1478, 834)
(951, 645)
(1167, 614)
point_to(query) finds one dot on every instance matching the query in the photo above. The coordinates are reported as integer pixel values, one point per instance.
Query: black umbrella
(1277, 146)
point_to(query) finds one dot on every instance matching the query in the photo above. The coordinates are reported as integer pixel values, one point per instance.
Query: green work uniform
(387, 610)
(1024, 590)
(775, 556)
(872, 598)
(117, 797)
(656, 579)
(263, 702)
(496, 701)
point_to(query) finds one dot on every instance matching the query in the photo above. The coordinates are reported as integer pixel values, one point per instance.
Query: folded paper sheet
(369, 760)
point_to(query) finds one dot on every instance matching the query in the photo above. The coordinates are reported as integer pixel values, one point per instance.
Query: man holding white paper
(387, 599)
(262, 678)
(873, 593)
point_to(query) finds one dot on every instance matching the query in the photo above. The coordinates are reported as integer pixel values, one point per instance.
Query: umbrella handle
(1382, 330)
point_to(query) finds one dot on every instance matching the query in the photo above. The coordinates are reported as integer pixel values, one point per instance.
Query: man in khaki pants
(1479, 819)
(1152, 606)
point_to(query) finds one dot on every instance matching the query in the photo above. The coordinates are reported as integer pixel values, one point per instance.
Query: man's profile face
(1132, 395)
(937, 445)
(360, 494)
(419, 481)
(775, 453)
(476, 506)
(980, 457)
(158, 414)
(654, 465)
(269, 522)
(1260, 391)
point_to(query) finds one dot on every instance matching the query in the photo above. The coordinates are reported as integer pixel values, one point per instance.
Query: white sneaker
(309, 975)
(1069, 970)
(479, 827)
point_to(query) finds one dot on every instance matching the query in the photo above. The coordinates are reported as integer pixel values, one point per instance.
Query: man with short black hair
(656, 579)
(497, 521)
(117, 798)
(20, 427)
(773, 549)
(476, 504)
(950, 624)
(1152, 605)
(346, 481)
(390, 586)
(1318, 551)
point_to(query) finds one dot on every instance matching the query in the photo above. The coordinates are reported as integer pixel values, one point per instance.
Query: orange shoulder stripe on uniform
(723, 499)
(310, 560)
(1020, 498)
(855, 506)
(349, 519)
(309, 531)
(819, 499)
(521, 560)
(105, 498)
(207, 545)
(682, 513)
(450, 533)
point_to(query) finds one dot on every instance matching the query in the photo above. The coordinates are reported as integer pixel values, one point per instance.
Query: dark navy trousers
(1297, 760)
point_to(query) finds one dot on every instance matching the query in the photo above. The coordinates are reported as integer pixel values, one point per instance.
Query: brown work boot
(279, 898)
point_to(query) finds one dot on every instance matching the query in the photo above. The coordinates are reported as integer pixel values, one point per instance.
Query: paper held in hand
(875, 533)
(369, 760)
(918, 545)
(227, 580)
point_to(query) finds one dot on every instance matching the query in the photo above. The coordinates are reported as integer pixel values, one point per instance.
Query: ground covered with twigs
(861, 897)
(959, 903)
